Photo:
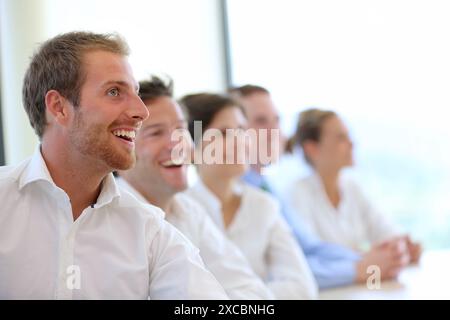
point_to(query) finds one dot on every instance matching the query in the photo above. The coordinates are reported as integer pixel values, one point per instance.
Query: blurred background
(383, 65)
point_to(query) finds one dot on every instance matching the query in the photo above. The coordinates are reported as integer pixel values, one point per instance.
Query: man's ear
(58, 107)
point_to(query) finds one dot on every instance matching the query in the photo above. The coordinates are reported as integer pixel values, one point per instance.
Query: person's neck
(330, 181)
(258, 168)
(72, 172)
(141, 185)
(221, 188)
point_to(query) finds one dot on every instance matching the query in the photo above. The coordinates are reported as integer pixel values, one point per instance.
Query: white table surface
(429, 279)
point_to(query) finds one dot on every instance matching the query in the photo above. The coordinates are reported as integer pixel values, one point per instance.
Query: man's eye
(155, 133)
(114, 92)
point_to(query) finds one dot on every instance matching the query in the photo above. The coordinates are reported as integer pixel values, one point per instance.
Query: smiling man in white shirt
(160, 174)
(66, 231)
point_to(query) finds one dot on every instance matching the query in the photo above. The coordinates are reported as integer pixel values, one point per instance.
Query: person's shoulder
(185, 200)
(7, 173)
(350, 185)
(305, 182)
(194, 191)
(303, 187)
(189, 205)
(349, 180)
(263, 208)
(258, 197)
(10, 175)
(127, 201)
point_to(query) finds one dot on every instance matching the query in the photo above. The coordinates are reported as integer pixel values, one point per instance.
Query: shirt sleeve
(176, 270)
(228, 264)
(332, 265)
(289, 276)
(378, 226)
(296, 204)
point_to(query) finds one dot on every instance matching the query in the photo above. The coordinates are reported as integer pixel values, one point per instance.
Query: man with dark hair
(155, 88)
(160, 175)
(66, 230)
(247, 90)
(332, 265)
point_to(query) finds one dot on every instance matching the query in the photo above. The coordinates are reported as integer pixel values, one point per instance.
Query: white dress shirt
(263, 236)
(118, 248)
(355, 223)
(220, 255)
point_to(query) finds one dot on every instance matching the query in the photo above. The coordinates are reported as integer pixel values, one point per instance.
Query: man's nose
(138, 109)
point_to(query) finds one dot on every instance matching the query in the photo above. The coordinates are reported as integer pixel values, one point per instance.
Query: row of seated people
(69, 229)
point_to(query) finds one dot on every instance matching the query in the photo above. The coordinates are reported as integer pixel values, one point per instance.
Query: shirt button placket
(66, 242)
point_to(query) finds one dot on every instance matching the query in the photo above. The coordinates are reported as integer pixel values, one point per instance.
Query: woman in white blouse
(333, 206)
(248, 216)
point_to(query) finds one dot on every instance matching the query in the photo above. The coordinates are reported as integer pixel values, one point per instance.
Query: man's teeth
(170, 163)
(130, 134)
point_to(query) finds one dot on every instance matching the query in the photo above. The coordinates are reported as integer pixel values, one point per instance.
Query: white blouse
(266, 240)
(355, 223)
(118, 248)
(220, 255)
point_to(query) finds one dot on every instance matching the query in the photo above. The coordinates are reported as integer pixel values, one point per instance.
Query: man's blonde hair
(58, 65)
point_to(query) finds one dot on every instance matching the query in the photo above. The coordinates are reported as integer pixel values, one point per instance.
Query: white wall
(177, 37)
(21, 27)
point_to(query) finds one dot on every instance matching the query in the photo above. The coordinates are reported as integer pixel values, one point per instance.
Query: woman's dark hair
(204, 107)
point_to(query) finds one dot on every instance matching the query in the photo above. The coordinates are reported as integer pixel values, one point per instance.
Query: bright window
(384, 66)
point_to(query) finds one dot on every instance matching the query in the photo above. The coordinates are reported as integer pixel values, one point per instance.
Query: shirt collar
(124, 185)
(211, 202)
(109, 191)
(257, 180)
(209, 199)
(37, 170)
(252, 177)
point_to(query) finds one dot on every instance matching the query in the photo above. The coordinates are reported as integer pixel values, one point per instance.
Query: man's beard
(94, 141)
